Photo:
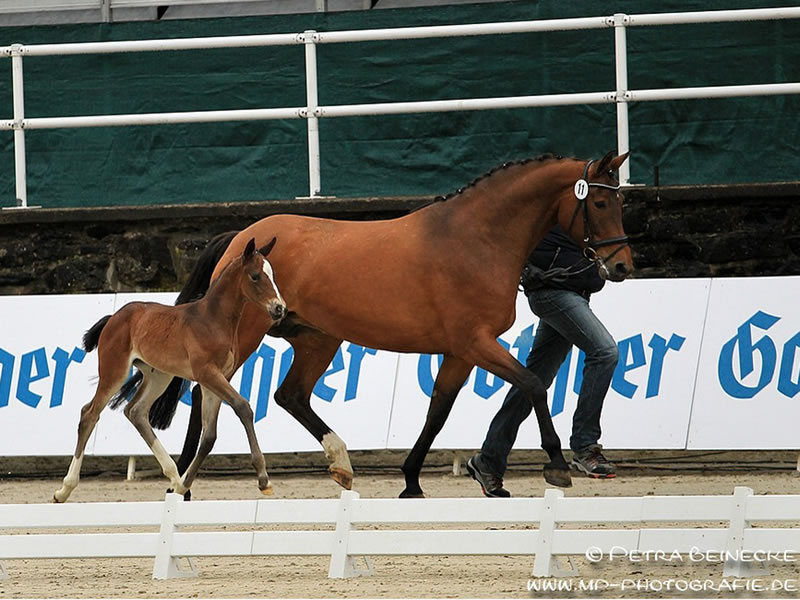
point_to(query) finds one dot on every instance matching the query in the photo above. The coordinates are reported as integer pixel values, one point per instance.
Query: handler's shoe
(590, 460)
(491, 484)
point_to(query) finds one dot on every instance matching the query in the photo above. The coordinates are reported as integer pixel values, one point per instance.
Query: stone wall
(741, 230)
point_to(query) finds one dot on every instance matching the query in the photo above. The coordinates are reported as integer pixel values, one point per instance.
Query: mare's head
(591, 214)
(258, 280)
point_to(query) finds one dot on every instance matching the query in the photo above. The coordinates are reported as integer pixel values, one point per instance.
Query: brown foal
(197, 341)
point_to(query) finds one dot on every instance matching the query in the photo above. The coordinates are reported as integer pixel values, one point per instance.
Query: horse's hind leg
(491, 356)
(111, 379)
(313, 352)
(451, 377)
(138, 410)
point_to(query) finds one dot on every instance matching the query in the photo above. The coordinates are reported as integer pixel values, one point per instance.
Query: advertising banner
(45, 376)
(749, 371)
(658, 326)
(703, 364)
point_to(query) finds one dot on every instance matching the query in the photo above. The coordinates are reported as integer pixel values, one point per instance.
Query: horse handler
(558, 281)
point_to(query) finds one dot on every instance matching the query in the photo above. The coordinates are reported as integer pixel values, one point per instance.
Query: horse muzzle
(277, 310)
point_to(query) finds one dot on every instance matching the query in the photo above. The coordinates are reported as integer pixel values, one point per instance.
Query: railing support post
(620, 22)
(314, 185)
(18, 93)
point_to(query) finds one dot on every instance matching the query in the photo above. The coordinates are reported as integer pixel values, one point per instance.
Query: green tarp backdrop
(691, 141)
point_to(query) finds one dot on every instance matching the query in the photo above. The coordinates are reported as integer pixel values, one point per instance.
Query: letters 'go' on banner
(703, 364)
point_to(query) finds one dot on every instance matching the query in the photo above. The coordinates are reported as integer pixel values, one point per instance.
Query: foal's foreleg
(451, 377)
(496, 359)
(216, 383)
(138, 412)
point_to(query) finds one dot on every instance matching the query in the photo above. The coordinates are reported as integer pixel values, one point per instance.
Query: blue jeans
(565, 320)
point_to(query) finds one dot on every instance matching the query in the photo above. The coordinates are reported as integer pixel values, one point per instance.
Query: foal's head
(591, 213)
(258, 280)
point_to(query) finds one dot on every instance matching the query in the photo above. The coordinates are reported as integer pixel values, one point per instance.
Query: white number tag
(581, 189)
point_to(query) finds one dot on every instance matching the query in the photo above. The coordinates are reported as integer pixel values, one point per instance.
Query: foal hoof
(342, 477)
(406, 493)
(186, 496)
(558, 477)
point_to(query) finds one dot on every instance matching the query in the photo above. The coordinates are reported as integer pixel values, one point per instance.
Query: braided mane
(506, 165)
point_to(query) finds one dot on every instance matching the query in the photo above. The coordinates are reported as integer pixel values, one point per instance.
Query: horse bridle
(581, 190)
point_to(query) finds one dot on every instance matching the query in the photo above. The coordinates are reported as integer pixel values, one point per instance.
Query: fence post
(735, 543)
(342, 564)
(545, 564)
(314, 185)
(165, 565)
(620, 21)
(18, 92)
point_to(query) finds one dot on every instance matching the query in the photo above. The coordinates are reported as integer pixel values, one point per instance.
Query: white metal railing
(620, 95)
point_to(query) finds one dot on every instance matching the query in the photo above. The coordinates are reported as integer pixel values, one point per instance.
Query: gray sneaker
(590, 460)
(491, 484)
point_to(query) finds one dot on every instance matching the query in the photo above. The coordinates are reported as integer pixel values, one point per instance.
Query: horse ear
(266, 249)
(615, 164)
(249, 250)
(603, 163)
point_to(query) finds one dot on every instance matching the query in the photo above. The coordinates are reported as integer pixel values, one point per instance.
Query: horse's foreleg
(211, 404)
(497, 360)
(138, 410)
(313, 352)
(451, 377)
(220, 387)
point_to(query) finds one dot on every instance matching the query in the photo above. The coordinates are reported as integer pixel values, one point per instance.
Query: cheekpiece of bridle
(581, 190)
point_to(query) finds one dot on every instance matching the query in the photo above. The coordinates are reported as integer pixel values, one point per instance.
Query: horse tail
(91, 337)
(163, 409)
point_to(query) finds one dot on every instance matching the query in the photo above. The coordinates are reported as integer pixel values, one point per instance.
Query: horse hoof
(342, 477)
(56, 500)
(558, 477)
(187, 496)
(267, 491)
(407, 494)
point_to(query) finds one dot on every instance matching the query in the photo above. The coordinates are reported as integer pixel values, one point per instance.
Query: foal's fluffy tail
(163, 409)
(91, 337)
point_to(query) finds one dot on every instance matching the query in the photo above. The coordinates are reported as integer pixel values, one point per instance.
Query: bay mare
(440, 280)
(197, 341)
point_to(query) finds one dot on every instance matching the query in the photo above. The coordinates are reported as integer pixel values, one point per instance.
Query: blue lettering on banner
(632, 356)
(322, 389)
(33, 367)
(742, 344)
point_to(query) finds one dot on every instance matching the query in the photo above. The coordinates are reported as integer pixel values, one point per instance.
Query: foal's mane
(514, 163)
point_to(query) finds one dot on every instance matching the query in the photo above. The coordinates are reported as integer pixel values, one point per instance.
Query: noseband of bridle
(581, 190)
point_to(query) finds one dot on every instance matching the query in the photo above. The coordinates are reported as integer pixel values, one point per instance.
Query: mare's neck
(517, 206)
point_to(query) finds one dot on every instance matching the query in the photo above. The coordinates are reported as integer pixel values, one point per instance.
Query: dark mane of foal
(514, 163)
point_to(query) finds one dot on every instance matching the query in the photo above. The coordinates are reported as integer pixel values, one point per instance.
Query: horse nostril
(278, 311)
(621, 269)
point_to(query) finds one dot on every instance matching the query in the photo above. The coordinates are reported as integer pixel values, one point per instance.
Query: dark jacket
(558, 262)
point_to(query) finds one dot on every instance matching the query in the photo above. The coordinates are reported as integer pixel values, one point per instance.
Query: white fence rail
(620, 94)
(333, 529)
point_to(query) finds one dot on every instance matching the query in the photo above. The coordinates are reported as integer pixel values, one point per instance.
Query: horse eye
(255, 276)
(600, 204)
